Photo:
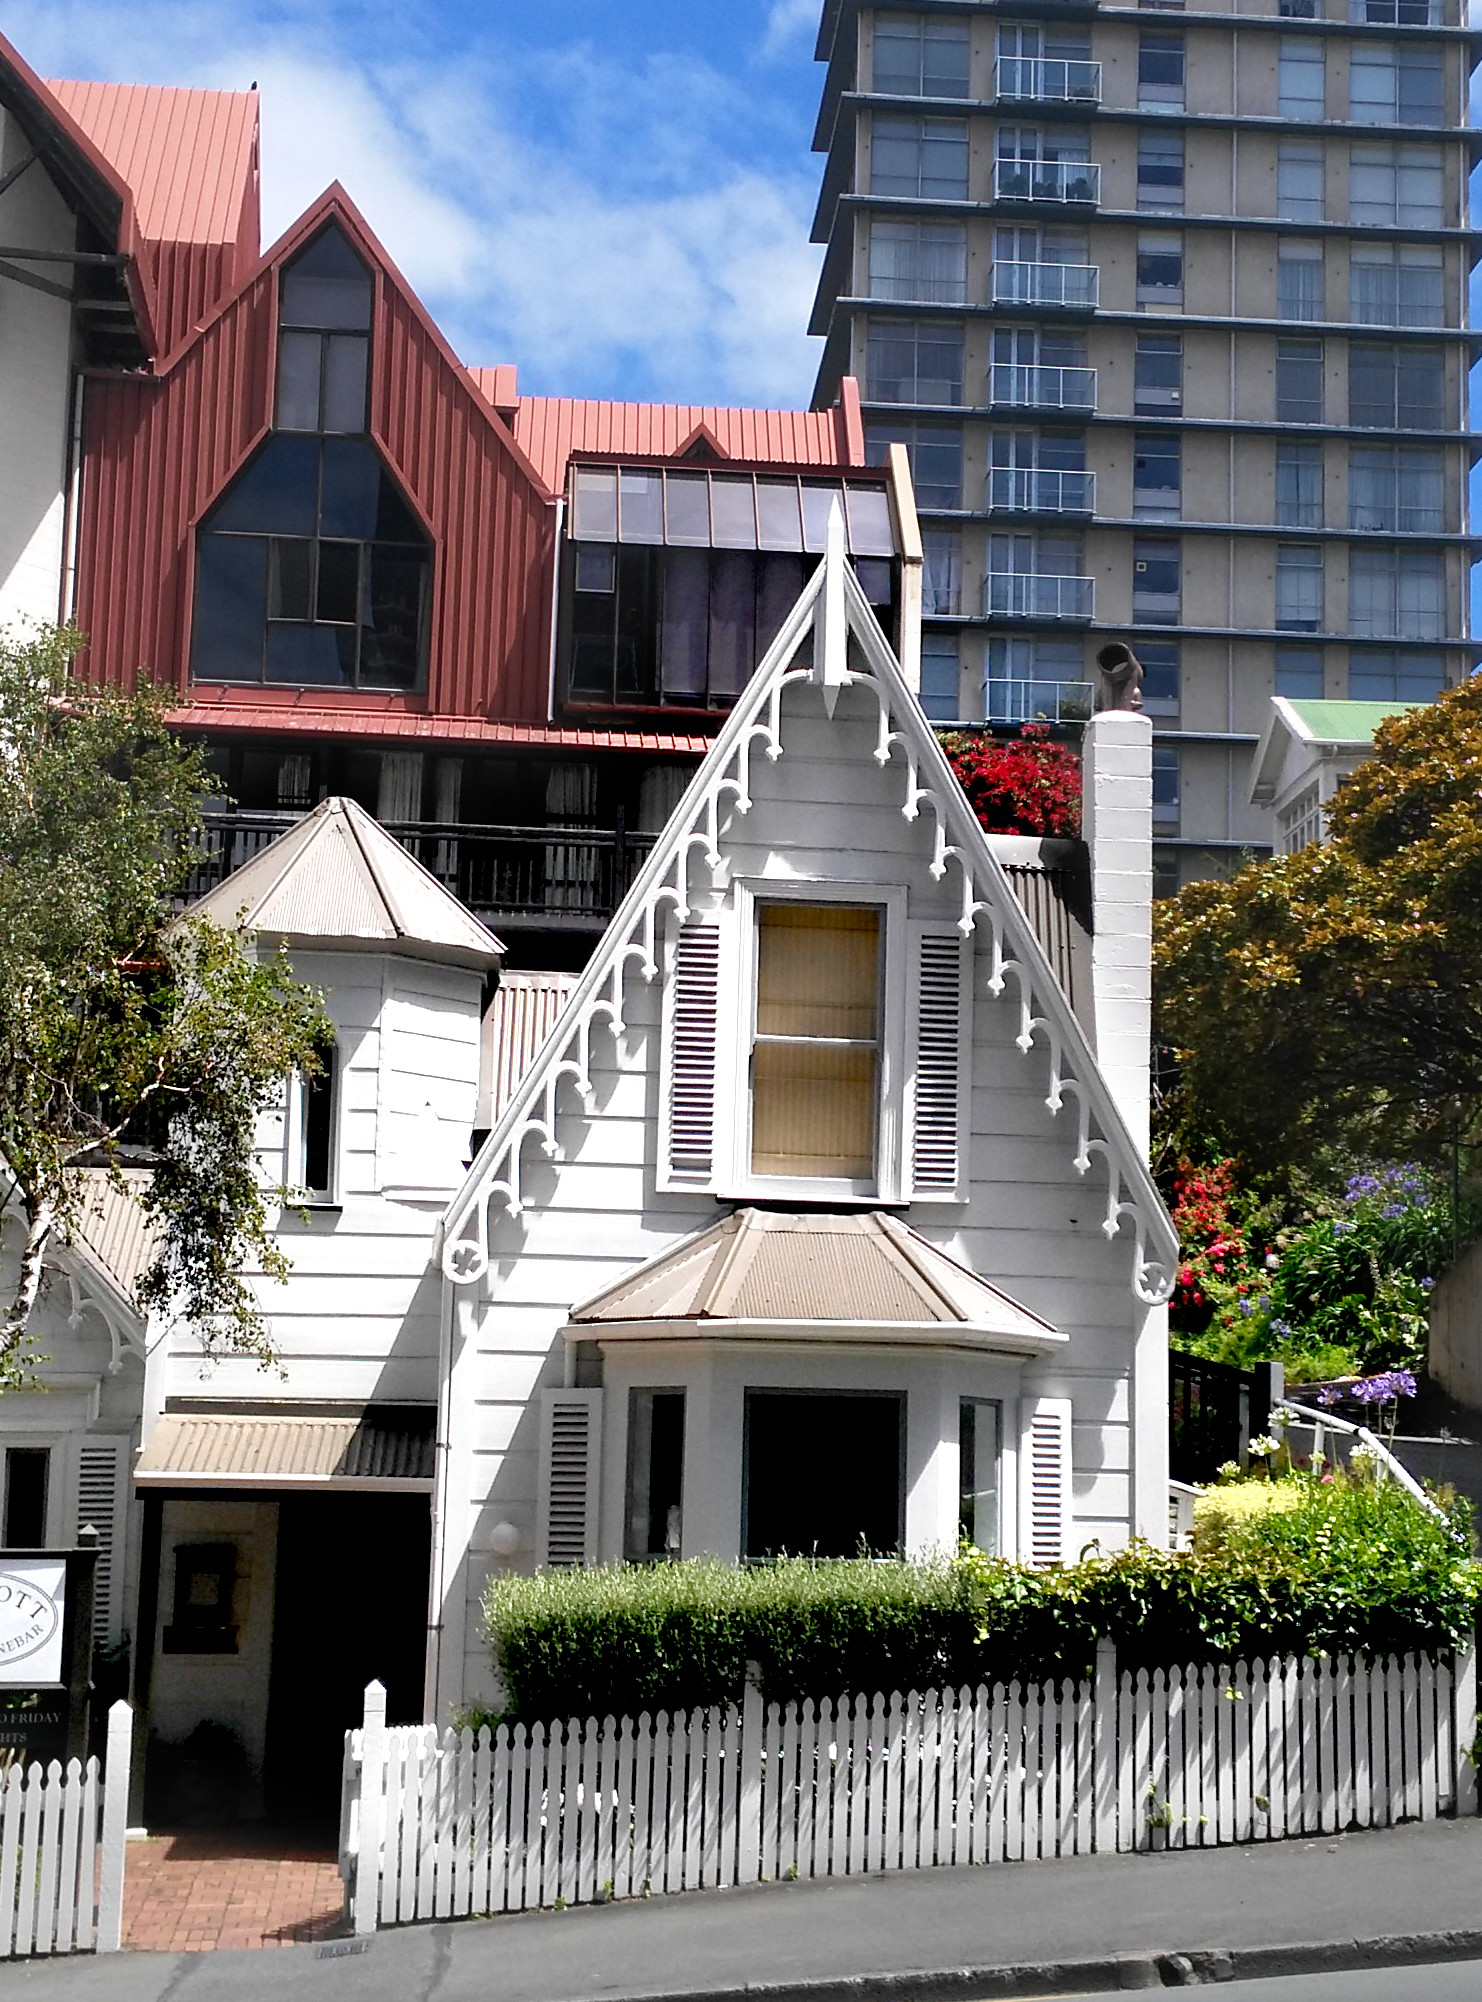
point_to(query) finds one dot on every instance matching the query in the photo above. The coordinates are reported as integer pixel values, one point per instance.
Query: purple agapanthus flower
(1393, 1210)
(1384, 1388)
(1329, 1395)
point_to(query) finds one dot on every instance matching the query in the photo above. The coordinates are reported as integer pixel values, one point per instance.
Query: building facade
(1169, 308)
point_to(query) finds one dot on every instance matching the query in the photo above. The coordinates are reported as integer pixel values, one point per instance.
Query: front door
(351, 1606)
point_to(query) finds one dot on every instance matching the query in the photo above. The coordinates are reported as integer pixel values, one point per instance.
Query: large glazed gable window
(312, 570)
(815, 1076)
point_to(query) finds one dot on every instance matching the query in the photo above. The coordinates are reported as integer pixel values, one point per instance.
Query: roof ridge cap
(394, 912)
(735, 1255)
(905, 1241)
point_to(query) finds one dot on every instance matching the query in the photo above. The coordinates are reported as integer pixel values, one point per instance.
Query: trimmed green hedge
(1350, 1568)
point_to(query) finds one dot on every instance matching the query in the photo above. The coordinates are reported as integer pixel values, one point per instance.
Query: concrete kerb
(1195, 1967)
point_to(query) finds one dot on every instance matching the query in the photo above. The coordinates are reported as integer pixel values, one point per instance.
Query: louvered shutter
(101, 1502)
(1044, 1481)
(687, 1140)
(940, 1080)
(570, 1461)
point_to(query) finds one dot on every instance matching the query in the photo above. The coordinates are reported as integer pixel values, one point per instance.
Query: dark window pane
(390, 652)
(350, 502)
(326, 286)
(732, 622)
(1421, 379)
(870, 532)
(822, 1474)
(596, 567)
(684, 622)
(636, 621)
(687, 508)
(874, 579)
(642, 502)
(337, 601)
(289, 580)
(346, 360)
(781, 587)
(231, 604)
(26, 1476)
(733, 511)
(395, 521)
(276, 493)
(298, 381)
(777, 514)
(594, 504)
(318, 1117)
(311, 656)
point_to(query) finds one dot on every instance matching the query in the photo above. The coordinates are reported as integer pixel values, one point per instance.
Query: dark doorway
(350, 1606)
(824, 1473)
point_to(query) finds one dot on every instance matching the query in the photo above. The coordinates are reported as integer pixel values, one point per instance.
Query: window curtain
(571, 867)
(815, 1067)
(399, 791)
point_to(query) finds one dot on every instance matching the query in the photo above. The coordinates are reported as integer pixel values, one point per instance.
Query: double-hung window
(1156, 581)
(1158, 375)
(1299, 602)
(1160, 71)
(1156, 473)
(1160, 270)
(924, 158)
(1390, 84)
(1399, 186)
(816, 1056)
(1160, 172)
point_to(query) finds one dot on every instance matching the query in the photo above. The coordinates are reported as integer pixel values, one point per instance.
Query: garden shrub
(1028, 784)
(1344, 1569)
(1220, 1514)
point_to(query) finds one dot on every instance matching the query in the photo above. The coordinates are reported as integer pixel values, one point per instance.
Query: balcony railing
(1016, 385)
(570, 878)
(1037, 701)
(1074, 286)
(1047, 80)
(1036, 490)
(1065, 181)
(1013, 594)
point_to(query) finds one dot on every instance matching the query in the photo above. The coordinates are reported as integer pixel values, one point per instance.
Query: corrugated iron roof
(365, 1448)
(188, 156)
(769, 1266)
(1051, 880)
(551, 428)
(521, 1016)
(338, 877)
(396, 727)
(112, 1232)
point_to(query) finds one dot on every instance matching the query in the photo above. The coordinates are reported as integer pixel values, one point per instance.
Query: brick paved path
(206, 1888)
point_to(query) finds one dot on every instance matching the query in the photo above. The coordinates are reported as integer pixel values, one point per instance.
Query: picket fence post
(749, 1809)
(1465, 1734)
(367, 1891)
(117, 1759)
(1104, 1711)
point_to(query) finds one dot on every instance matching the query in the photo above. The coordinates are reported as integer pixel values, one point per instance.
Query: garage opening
(824, 1474)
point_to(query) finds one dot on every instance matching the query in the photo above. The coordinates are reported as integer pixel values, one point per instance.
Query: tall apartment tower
(1169, 308)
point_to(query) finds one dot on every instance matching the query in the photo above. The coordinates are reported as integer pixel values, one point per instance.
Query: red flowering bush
(1024, 785)
(1215, 1270)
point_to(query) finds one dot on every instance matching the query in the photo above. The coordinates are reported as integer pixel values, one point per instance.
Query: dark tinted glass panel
(338, 599)
(733, 508)
(231, 603)
(1422, 381)
(822, 1475)
(26, 1472)
(312, 656)
(594, 504)
(1159, 670)
(318, 1113)
(298, 380)
(634, 667)
(389, 655)
(290, 588)
(732, 622)
(395, 521)
(346, 357)
(687, 507)
(327, 286)
(779, 589)
(275, 494)
(642, 502)
(684, 621)
(350, 504)
(777, 513)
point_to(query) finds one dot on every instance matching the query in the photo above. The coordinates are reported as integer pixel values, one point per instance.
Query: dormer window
(815, 1061)
(311, 569)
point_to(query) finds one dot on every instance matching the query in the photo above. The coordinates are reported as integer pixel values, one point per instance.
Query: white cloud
(788, 22)
(615, 228)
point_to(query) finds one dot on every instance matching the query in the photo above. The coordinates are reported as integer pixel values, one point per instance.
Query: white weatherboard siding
(35, 393)
(357, 1318)
(825, 813)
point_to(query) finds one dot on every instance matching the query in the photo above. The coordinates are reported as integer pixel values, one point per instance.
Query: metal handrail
(1047, 181)
(1321, 1421)
(1034, 595)
(1040, 490)
(1036, 386)
(1029, 282)
(1048, 79)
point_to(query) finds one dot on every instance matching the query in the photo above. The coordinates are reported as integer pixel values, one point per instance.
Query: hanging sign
(33, 1600)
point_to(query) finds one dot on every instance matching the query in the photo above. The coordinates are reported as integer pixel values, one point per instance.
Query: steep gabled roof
(337, 878)
(1317, 727)
(834, 609)
(763, 1268)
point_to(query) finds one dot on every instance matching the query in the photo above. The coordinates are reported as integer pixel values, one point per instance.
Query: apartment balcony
(1047, 80)
(1035, 490)
(1026, 386)
(1011, 594)
(1073, 287)
(1037, 701)
(1065, 183)
(559, 878)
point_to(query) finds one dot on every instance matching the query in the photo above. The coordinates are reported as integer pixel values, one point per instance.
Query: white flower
(1259, 1448)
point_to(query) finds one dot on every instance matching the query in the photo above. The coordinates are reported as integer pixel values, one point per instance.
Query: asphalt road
(1451, 1981)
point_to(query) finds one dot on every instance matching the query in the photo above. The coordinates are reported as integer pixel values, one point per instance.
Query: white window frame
(733, 1106)
(295, 1149)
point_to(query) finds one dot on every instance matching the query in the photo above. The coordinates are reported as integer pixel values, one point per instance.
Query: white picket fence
(441, 1824)
(62, 1833)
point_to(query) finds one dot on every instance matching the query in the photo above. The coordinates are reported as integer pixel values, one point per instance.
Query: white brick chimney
(1117, 826)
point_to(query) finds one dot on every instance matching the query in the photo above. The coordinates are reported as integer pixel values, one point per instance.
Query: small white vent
(570, 1452)
(936, 1134)
(694, 1010)
(1047, 1483)
(100, 1505)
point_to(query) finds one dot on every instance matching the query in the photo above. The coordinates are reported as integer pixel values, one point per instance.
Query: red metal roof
(291, 718)
(190, 160)
(552, 428)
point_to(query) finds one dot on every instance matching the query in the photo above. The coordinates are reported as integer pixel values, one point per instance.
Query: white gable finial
(831, 621)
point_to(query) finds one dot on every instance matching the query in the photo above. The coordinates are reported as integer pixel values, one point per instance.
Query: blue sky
(614, 194)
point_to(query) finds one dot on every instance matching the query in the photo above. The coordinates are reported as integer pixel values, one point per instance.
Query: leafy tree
(118, 1020)
(1027, 785)
(1333, 998)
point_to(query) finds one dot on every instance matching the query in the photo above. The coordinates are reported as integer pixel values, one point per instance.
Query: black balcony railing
(570, 878)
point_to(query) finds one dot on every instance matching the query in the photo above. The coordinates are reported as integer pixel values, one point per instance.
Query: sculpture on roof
(1121, 677)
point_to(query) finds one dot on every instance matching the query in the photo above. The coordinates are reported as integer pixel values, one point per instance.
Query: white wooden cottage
(807, 1219)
